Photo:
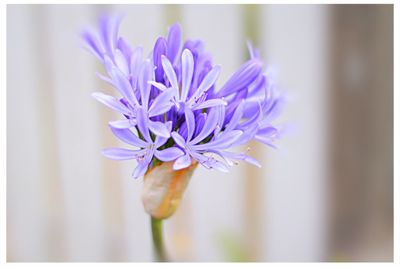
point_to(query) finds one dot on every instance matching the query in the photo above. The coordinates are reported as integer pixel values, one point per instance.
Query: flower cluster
(171, 107)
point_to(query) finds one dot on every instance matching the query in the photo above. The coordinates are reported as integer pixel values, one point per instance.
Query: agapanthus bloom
(172, 109)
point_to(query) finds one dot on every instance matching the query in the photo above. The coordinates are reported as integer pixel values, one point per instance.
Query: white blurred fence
(65, 202)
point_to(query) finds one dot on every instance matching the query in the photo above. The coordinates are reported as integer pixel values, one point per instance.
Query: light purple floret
(172, 110)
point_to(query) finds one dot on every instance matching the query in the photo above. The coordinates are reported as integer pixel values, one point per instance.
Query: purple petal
(182, 162)
(268, 131)
(246, 74)
(120, 153)
(187, 73)
(174, 42)
(143, 124)
(158, 85)
(121, 62)
(200, 119)
(190, 123)
(209, 126)
(105, 78)
(221, 114)
(162, 103)
(128, 137)
(92, 44)
(145, 75)
(234, 102)
(109, 65)
(111, 102)
(124, 87)
(140, 170)
(160, 48)
(238, 156)
(275, 110)
(258, 87)
(207, 82)
(225, 140)
(125, 48)
(136, 61)
(267, 135)
(162, 140)
(109, 32)
(210, 103)
(217, 165)
(237, 115)
(159, 128)
(247, 135)
(170, 72)
(210, 162)
(169, 154)
(251, 108)
(254, 53)
(256, 117)
(178, 139)
(123, 124)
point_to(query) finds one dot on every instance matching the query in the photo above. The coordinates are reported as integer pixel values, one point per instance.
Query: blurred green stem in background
(158, 242)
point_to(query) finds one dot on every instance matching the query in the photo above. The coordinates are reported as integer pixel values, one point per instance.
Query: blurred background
(325, 195)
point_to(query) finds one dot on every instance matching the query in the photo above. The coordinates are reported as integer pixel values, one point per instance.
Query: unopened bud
(163, 189)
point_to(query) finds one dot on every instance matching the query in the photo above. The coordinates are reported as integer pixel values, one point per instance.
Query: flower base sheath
(163, 189)
(173, 113)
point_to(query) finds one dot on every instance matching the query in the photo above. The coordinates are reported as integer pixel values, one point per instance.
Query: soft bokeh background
(325, 195)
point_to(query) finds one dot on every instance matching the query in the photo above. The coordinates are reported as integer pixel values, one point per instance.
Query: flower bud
(163, 189)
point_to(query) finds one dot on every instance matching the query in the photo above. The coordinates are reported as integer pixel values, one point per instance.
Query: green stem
(158, 243)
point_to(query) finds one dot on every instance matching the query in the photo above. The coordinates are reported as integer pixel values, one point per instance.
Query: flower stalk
(158, 240)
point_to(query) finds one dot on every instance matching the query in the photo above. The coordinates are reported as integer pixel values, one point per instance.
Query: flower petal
(182, 162)
(143, 124)
(170, 72)
(210, 103)
(223, 141)
(92, 44)
(178, 139)
(243, 77)
(174, 42)
(237, 115)
(200, 119)
(190, 123)
(187, 73)
(157, 85)
(109, 33)
(160, 48)
(159, 128)
(248, 134)
(209, 126)
(136, 61)
(160, 140)
(206, 84)
(169, 154)
(145, 75)
(123, 86)
(123, 124)
(111, 102)
(162, 103)
(128, 137)
(105, 78)
(140, 170)
(254, 53)
(120, 153)
(210, 162)
(121, 62)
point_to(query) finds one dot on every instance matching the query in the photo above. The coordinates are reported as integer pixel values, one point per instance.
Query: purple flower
(172, 103)
(148, 146)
